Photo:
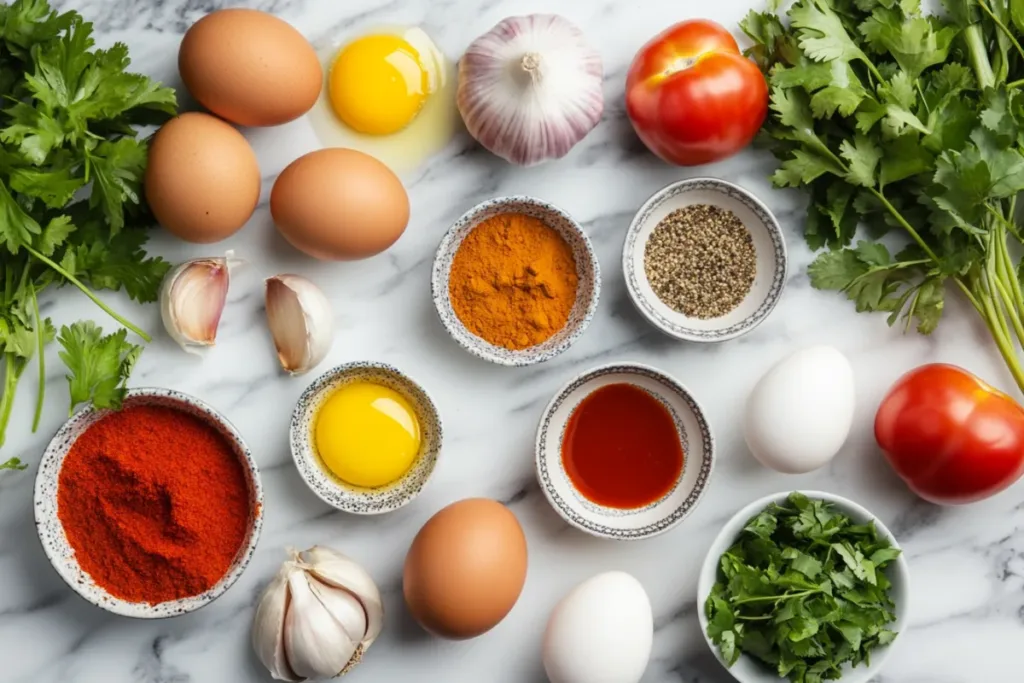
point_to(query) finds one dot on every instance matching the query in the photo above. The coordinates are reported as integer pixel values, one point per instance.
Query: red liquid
(621, 447)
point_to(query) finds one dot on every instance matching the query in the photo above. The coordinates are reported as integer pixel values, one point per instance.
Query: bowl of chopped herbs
(806, 586)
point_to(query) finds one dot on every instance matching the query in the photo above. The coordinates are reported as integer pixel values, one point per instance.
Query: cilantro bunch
(897, 120)
(71, 210)
(804, 591)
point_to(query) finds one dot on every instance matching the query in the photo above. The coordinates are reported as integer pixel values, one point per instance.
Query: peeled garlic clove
(315, 643)
(301, 322)
(531, 88)
(192, 299)
(268, 626)
(345, 609)
(339, 571)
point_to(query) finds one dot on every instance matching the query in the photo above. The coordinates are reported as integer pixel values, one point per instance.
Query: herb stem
(904, 224)
(85, 290)
(776, 598)
(41, 342)
(978, 55)
(1002, 27)
(7, 399)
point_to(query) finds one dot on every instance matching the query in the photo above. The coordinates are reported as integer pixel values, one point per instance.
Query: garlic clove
(315, 643)
(268, 626)
(344, 607)
(192, 298)
(301, 322)
(339, 571)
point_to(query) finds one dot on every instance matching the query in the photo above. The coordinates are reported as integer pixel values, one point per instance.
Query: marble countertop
(967, 623)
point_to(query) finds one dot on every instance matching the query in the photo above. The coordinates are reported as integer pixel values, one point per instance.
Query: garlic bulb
(192, 298)
(317, 617)
(530, 88)
(301, 322)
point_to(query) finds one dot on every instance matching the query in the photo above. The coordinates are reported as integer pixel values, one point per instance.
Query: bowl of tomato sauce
(624, 451)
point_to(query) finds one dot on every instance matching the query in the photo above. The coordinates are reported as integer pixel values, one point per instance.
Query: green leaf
(822, 34)
(914, 42)
(13, 464)
(997, 117)
(99, 365)
(763, 525)
(863, 156)
(928, 303)
(883, 556)
(836, 269)
(16, 227)
(1017, 14)
(803, 168)
(904, 158)
(803, 563)
(118, 168)
(54, 234)
(873, 253)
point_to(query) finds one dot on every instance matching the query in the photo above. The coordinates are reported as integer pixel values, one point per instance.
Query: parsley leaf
(99, 365)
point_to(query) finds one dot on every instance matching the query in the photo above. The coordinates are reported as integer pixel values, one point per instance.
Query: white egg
(427, 134)
(799, 414)
(601, 632)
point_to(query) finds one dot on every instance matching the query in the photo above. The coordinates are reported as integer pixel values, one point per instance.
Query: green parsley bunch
(804, 591)
(895, 119)
(71, 206)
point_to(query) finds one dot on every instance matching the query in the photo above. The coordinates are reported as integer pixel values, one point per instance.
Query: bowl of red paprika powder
(150, 511)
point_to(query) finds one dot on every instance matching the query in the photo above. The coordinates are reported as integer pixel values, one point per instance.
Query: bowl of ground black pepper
(704, 260)
(515, 281)
(150, 511)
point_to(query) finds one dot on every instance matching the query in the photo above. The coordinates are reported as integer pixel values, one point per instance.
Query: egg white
(426, 135)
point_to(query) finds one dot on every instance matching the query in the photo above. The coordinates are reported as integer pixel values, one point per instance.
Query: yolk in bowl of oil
(367, 434)
(378, 84)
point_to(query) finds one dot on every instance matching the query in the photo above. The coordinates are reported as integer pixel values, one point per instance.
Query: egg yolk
(378, 84)
(367, 434)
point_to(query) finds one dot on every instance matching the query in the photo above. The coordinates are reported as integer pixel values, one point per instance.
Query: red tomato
(953, 438)
(692, 97)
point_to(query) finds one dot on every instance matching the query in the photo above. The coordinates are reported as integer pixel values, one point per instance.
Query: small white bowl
(747, 669)
(588, 271)
(55, 541)
(341, 494)
(632, 524)
(769, 245)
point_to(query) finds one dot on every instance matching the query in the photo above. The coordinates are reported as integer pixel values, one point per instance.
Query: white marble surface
(968, 564)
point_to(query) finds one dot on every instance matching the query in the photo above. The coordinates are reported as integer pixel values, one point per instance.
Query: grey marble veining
(967, 564)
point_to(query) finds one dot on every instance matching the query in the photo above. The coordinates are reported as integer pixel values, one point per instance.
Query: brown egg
(202, 180)
(465, 569)
(250, 67)
(339, 204)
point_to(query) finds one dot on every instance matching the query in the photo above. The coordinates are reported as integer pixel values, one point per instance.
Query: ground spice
(513, 281)
(700, 261)
(154, 503)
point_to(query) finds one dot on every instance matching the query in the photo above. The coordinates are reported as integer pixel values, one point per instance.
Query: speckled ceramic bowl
(587, 269)
(55, 542)
(331, 489)
(637, 523)
(769, 245)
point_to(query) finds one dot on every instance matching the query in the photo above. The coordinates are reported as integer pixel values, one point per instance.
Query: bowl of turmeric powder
(516, 281)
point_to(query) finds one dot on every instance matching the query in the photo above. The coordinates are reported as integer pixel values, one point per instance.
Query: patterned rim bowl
(747, 669)
(341, 494)
(588, 271)
(55, 542)
(632, 524)
(769, 245)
